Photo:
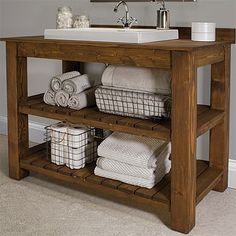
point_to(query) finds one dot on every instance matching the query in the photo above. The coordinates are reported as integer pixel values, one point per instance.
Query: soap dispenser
(163, 16)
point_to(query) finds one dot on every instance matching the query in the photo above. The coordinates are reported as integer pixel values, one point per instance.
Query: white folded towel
(131, 149)
(49, 97)
(62, 98)
(164, 164)
(59, 149)
(83, 99)
(141, 182)
(76, 84)
(138, 78)
(56, 81)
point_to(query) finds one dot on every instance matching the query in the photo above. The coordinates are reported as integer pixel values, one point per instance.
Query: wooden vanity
(190, 180)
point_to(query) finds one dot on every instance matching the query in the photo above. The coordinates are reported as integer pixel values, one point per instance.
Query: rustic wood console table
(189, 180)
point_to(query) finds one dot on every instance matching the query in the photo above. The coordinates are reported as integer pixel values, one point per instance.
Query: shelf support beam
(183, 136)
(17, 92)
(219, 135)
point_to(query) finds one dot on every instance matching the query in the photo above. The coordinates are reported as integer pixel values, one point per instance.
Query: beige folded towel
(49, 97)
(56, 81)
(82, 100)
(62, 98)
(137, 78)
(76, 85)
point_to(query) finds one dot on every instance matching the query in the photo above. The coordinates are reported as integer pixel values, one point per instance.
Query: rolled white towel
(62, 98)
(76, 158)
(49, 97)
(132, 149)
(56, 81)
(141, 182)
(126, 169)
(59, 149)
(82, 100)
(138, 78)
(76, 84)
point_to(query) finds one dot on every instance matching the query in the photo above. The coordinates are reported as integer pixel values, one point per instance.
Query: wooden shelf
(37, 162)
(207, 119)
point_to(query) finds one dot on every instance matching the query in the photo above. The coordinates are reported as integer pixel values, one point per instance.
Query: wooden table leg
(18, 143)
(219, 135)
(183, 136)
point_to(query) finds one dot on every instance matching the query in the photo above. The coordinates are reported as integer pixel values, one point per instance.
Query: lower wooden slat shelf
(159, 195)
(207, 119)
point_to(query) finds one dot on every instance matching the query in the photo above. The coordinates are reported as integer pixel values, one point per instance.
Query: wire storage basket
(71, 145)
(133, 103)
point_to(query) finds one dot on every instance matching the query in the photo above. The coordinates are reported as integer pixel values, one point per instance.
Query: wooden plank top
(169, 45)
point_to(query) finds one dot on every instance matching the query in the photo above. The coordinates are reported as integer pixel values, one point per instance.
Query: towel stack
(70, 89)
(135, 91)
(72, 146)
(133, 159)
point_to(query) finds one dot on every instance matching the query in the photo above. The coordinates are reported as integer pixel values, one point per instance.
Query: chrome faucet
(127, 20)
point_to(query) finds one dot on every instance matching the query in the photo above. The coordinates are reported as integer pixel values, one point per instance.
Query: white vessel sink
(112, 35)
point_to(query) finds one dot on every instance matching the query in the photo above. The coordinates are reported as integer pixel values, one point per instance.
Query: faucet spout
(127, 20)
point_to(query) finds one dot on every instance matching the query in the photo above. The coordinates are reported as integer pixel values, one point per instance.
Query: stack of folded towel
(72, 146)
(133, 159)
(70, 89)
(135, 91)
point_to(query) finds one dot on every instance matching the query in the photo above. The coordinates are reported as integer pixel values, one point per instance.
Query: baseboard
(36, 130)
(232, 173)
(37, 135)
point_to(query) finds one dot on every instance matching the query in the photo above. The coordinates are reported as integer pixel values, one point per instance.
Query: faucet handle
(132, 20)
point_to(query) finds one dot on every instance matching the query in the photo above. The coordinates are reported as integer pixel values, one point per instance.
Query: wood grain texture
(68, 66)
(219, 135)
(183, 136)
(18, 141)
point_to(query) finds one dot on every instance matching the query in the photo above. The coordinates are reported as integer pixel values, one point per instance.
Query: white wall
(31, 17)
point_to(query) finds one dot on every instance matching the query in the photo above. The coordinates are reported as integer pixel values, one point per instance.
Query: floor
(34, 206)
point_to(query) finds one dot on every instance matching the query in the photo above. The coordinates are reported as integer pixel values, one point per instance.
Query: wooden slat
(84, 172)
(53, 167)
(127, 188)
(66, 170)
(95, 179)
(40, 162)
(111, 183)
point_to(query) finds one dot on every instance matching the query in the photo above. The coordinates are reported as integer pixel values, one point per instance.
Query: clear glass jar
(64, 18)
(81, 22)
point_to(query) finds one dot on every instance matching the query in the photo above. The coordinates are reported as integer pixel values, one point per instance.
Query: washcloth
(141, 182)
(49, 97)
(59, 149)
(130, 170)
(138, 78)
(56, 81)
(62, 98)
(134, 150)
(83, 99)
(127, 102)
(76, 84)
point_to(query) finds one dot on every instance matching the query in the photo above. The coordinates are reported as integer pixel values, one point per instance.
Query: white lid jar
(203, 31)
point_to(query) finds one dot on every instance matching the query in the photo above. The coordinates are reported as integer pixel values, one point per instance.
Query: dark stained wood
(18, 140)
(72, 66)
(219, 135)
(207, 119)
(183, 56)
(183, 145)
(207, 181)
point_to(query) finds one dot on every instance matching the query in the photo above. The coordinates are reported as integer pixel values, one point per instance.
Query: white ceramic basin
(112, 35)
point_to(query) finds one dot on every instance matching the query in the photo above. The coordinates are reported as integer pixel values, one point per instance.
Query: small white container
(203, 31)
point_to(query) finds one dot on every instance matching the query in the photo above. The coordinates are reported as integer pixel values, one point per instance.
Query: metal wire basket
(72, 145)
(133, 103)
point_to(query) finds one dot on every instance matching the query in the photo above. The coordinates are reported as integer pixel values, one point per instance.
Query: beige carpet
(35, 206)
